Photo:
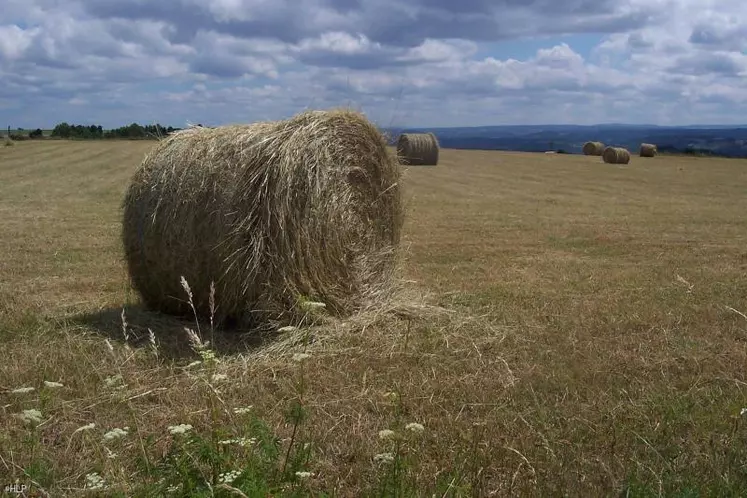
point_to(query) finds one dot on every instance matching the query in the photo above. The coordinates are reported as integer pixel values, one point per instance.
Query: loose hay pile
(309, 206)
(648, 150)
(418, 149)
(593, 148)
(616, 155)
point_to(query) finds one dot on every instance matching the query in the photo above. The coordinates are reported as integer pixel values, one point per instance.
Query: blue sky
(404, 63)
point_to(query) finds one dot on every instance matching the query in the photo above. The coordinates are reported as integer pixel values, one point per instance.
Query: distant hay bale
(593, 148)
(306, 207)
(418, 149)
(648, 150)
(616, 155)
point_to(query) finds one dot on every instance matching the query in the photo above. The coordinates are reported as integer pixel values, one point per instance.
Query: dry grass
(271, 212)
(590, 344)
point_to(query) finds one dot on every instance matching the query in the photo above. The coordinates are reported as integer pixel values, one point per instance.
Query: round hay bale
(308, 207)
(418, 149)
(616, 155)
(593, 148)
(648, 150)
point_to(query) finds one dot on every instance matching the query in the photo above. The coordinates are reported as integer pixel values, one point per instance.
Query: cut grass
(588, 349)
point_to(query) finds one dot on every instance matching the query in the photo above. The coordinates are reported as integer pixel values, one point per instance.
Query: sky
(411, 63)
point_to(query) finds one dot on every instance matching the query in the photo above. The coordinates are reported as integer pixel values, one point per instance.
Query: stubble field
(589, 342)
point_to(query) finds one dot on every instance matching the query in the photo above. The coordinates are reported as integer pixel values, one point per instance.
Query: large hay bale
(648, 150)
(308, 206)
(418, 149)
(593, 148)
(616, 155)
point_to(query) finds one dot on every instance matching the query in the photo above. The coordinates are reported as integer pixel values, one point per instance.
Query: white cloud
(415, 62)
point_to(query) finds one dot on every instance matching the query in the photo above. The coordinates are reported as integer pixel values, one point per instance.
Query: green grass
(591, 345)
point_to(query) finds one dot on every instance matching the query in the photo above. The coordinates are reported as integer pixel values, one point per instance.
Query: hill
(715, 140)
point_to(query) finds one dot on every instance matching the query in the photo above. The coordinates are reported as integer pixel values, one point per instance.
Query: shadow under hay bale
(648, 150)
(616, 155)
(418, 149)
(305, 208)
(171, 336)
(593, 148)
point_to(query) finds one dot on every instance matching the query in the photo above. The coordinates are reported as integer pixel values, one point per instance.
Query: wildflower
(299, 357)
(312, 306)
(384, 458)
(110, 454)
(287, 328)
(243, 410)
(31, 416)
(52, 385)
(86, 427)
(303, 475)
(415, 427)
(113, 380)
(242, 441)
(229, 477)
(22, 390)
(743, 412)
(386, 435)
(219, 377)
(94, 481)
(116, 433)
(180, 429)
(173, 489)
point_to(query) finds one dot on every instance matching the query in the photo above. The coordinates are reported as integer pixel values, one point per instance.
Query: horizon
(415, 64)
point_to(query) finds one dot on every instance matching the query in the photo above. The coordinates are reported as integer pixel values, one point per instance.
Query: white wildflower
(229, 477)
(303, 475)
(299, 357)
(116, 433)
(384, 458)
(173, 489)
(31, 416)
(312, 305)
(743, 412)
(243, 410)
(415, 427)
(113, 380)
(180, 429)
(242, 441)
(86, 427)
(52, 385)
(219, 377)
(386, 434)
(23, 390)
(94, 481)
(287, 328)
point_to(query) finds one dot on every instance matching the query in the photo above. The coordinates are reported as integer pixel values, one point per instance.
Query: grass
(593, 344)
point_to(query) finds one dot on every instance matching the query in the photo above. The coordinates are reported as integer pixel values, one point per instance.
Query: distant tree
(37, 133)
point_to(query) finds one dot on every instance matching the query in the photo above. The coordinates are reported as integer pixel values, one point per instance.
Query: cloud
(435, 62)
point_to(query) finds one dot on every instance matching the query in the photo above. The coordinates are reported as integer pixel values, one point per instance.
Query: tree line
(93, 132)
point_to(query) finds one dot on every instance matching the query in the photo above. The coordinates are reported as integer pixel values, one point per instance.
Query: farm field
(591, 340)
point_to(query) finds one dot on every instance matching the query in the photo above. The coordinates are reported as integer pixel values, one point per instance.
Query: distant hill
(726, 141)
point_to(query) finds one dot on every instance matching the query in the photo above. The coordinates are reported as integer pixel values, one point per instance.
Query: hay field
(591, 346)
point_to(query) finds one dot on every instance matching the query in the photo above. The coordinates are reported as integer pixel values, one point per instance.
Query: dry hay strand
(616, 155)
(418, 149)
(648, 150)
(274, 213)
(593, 148)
